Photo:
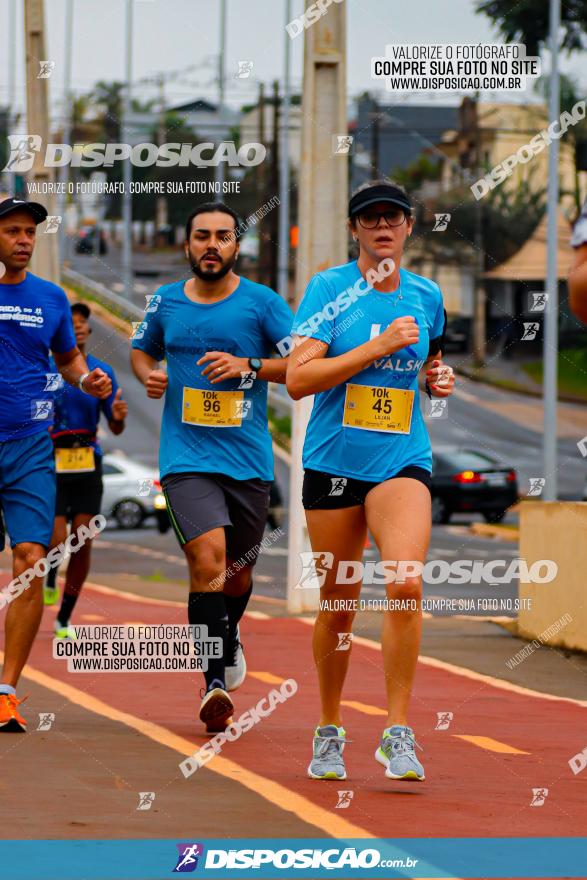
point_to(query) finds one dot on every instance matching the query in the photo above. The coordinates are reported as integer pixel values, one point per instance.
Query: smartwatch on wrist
(81, 380)
(255, 364)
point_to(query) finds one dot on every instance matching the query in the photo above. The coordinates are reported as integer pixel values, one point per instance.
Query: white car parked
(132, 492)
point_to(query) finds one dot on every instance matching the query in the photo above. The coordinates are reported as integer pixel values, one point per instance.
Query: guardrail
(278, 400)
(102, 293)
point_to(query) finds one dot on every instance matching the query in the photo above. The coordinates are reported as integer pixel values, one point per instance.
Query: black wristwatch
(255, 364)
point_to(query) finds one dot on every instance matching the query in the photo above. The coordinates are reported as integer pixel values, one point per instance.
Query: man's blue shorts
(27, 489)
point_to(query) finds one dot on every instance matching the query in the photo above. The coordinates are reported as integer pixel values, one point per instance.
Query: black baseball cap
(37, 210)
(379, 192)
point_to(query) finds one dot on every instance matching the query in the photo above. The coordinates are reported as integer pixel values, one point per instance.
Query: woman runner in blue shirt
(363, 333)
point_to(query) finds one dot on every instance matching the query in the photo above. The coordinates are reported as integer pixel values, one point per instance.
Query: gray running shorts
(199, 502)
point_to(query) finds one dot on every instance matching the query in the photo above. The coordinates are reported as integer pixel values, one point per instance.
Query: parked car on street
(132, 493)
(464, 480)
(85, 242)
(458, 331)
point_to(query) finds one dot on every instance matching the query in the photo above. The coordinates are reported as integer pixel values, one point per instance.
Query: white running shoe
(236, 666)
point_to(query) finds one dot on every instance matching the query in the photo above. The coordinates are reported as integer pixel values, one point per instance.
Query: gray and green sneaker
(397, 754)
(327, 762)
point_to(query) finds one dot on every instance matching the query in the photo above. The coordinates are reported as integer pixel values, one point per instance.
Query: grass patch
(83, 294)
(157, 577)
(280, 427)
(572, 372)
(282, 423)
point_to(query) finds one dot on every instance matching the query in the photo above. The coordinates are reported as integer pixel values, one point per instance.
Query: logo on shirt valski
(412, 365)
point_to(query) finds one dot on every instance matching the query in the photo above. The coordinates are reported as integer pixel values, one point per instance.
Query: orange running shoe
(10, 718)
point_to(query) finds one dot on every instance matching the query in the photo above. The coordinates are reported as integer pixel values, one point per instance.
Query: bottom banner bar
(464, 858)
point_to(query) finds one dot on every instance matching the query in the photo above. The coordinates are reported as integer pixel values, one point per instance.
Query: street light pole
(45, 260)
(11, 55)
(479, 301)
(550, 349)
(67, 126)
(126, 197)
(323, 233)
(284, 176)
(219, 173)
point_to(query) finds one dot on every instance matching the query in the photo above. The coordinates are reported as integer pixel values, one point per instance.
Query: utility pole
(45, 259)
(272, 219)
(550, 381)
(219, 171)
(323, 234)
(284, 177)
(261, 188)
(376, 121)
(161, 214)
(65, 171)
(127, 275)
(479, 306)
(11, 56)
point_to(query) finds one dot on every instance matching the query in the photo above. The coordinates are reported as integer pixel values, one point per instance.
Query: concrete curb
(487, 530)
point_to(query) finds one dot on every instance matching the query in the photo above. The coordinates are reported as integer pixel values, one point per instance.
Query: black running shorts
(80, 493)
(322, 491)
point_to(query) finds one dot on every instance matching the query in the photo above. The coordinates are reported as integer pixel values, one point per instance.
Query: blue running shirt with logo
(35, 318)
(374, 428)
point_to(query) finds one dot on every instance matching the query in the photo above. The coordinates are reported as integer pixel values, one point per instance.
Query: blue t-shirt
(340, 308)
(35, 318)
(76, 413)
(247, 323)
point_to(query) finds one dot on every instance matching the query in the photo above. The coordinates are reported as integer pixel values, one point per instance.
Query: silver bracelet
(81, 380)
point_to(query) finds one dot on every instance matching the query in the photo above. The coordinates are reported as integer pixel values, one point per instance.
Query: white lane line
(142, 551)
(176, 560)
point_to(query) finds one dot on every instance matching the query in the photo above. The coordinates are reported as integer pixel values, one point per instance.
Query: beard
(223, 268)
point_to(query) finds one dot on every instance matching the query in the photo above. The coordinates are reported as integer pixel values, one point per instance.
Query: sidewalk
(526, 411)
(509, 375)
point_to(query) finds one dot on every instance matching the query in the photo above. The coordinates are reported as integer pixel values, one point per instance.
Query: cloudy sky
(172, 35)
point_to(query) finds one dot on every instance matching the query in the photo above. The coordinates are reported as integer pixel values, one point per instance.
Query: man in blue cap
(36, 320)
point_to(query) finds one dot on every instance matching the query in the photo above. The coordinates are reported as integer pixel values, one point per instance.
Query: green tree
(569, 96)
(509, 217)
(421, 169)
(527, 21)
